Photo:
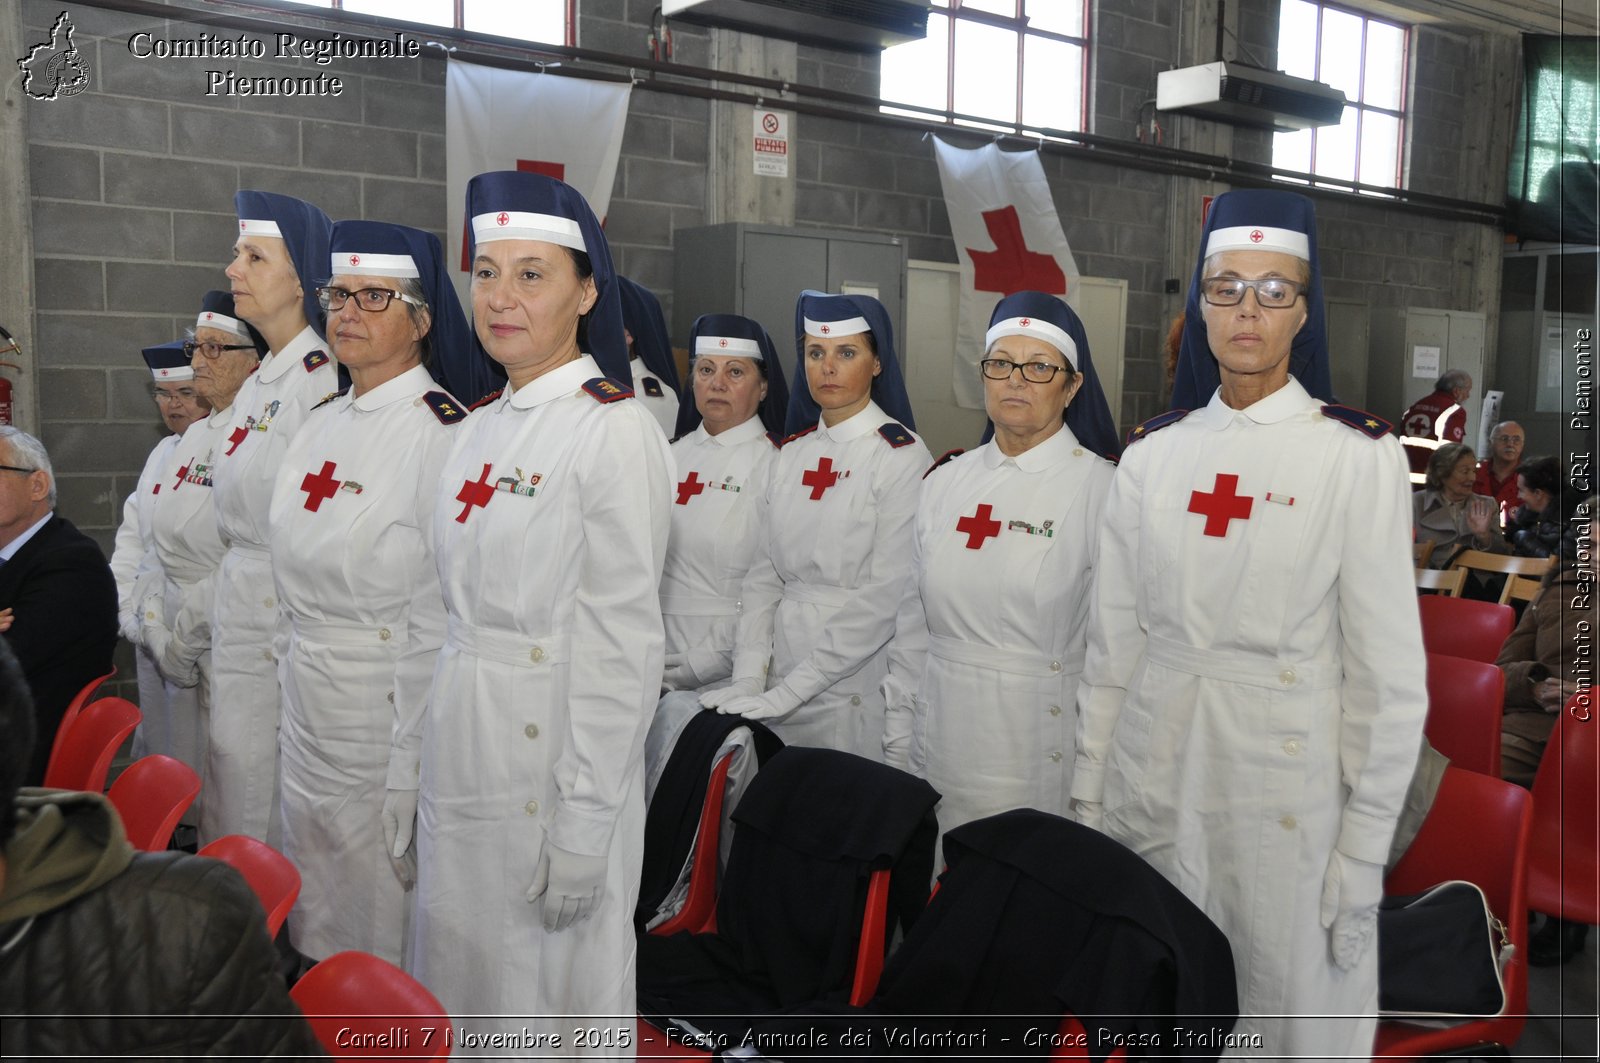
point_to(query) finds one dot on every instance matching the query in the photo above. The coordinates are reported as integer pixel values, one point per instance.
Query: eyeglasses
(372, 300)
(17, 468)
(213, 350)
(181, 395)
(1272, 293)
(1032, 372)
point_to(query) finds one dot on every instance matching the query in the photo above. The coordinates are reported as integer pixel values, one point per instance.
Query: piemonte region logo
(55, 68)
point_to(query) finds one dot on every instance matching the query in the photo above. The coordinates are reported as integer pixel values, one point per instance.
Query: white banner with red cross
(1008, 239)
(565, 127)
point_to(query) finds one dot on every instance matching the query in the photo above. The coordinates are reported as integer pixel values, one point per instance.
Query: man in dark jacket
(107, 952)
(58, 599)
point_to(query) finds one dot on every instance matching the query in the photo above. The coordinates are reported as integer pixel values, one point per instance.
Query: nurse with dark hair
(820, 599)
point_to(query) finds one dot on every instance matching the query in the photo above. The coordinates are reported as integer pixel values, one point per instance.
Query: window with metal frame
(543, 21)
(998, 64)
(1366, 58)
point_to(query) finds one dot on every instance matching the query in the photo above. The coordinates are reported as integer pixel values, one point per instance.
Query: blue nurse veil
(305, 232)
(888, 387)
(773, 407)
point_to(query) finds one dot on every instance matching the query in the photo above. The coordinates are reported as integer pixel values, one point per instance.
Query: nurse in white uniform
(653, 369)
(989, 645)
(550, 528)
(281, 252)
(727, 441)
(1254, 688)
(821, 597)
(168, 727)
(352, 523)
(176, 617)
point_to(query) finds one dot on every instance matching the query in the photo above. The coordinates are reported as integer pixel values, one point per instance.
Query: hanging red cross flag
(1008, 238)
(563, 127)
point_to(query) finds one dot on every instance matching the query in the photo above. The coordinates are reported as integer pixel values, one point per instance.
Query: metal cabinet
(1411, 346)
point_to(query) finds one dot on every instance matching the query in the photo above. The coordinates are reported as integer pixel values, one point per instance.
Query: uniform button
(1287, 823)
(1055, 710)
(1055, 666)
(269, 602)
(532, 730)
(855, 699)
(531, 808)
(150, 614)
(385, 634)
(1286, 677)
(536, 655)
(391, 697)
(1055, 758)
(266, 655)
(1077, 452)
(1291, 747)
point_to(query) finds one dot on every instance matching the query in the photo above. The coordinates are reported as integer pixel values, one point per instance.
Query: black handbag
(1442, 955)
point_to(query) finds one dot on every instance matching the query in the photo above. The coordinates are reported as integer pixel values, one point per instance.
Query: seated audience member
(1446, 511)
(1542, 671)
(109, 952)
(1497, 474)
(1538, 526)
(58, 599)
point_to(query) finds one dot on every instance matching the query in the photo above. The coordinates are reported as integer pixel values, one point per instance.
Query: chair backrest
(1444, 580)
(1420, 552)
(270, 874)
(1479, 561)
(1521, 588)
(151, 796)
(364, 1007)
(1478, 830)
(74, 707)
(1465, 701)
(1564, 857)
(84, 759)
(1461, 627)
(699, 911)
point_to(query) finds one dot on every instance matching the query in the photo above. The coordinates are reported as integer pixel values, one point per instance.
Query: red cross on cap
(502, 218)
(355, 260)
(1024, 322)
(208, 315)
(241, 225)
(722, 343)
(826, 329)
(1256, 236)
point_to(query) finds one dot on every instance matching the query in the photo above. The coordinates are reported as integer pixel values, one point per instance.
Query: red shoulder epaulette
(896, 435)
(797, 435)
(493, 395)
(1155, 424)
(603, 389)
(946, 456)
(775, 440)
(444, 406)
(329, 397)
(1368, 424)
(315, 360)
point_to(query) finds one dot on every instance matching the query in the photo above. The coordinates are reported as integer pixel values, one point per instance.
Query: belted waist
(699, 605)
(508, 647)
(346, 634)
(1017, 662)
(1252, 669)
(817, 593)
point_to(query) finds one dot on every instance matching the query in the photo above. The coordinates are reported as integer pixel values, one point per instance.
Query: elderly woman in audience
(820, 597)
(1447, 511)
(352, 524)
(176, 618)
(981, 696)
(726, 444)
(1539, 525)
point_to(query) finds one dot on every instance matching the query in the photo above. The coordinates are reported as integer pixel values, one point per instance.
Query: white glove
(775, 704)
(679, 675)
(1089, 813)
(897, 751)
(715, 699)
(570, 884)
(179, 669)
(399, 823)
(1351, 890)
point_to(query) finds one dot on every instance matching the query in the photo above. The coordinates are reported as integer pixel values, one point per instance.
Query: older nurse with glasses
(1254, 688)
(989, 642)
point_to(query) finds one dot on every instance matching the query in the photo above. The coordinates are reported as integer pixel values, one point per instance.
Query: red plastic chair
(1461, 627)
(270, 874)
(74, 707)
(699, 911)
(1477, 830)
(364, 1007)
(1564, 854)
(84, 759)
(1465, 702)
(151, 796)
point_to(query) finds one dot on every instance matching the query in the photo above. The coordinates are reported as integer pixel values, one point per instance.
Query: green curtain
(1552, 190)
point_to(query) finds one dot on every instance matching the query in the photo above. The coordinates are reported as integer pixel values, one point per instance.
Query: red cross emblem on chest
(182, 472)
(979, 527)
(1221, 505)
(821, 478)
(237, 436)
(689, 487)
(319, 487)
(474, 493)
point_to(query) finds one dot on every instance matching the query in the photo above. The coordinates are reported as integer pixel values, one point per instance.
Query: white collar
(10, 549)
(294, 352)
(739, 433)
(870, 419)
(413, 381)
(562, 380)
(1037, 458)
(1286, 402)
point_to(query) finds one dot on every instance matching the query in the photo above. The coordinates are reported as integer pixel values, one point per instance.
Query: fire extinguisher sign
(771, 143)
